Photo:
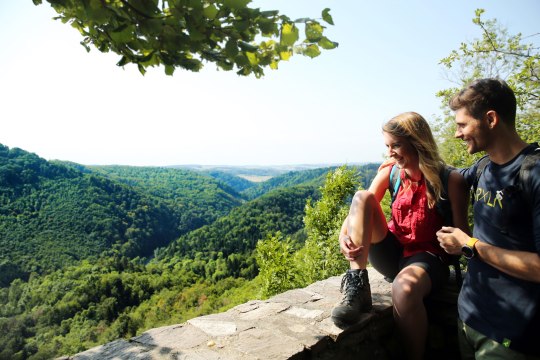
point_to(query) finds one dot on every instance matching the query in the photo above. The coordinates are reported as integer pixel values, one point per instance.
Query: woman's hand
(348, 248)
(452, 239)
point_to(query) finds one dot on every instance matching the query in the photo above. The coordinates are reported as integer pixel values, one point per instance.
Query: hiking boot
(356, 298)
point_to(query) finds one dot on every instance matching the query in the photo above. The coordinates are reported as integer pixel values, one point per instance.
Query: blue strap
(397, 181)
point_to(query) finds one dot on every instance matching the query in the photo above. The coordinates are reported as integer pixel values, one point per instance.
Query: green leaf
(244, 46)
(327, 17)
(169, 70)
(285, 55)
(252, 58)
(312, 51)
(314, 31)
(241, 26)
(210, 11)
(236, 4)
(37, 2)
(269, 13)
(146, 7)
(85, 46)
(142, 70)
(327, 44)
(225, 65)
(123, 35)
(97, 13)
(241, 60)
(289, 34)
(123, 61)
(267, 26)
(231, 48)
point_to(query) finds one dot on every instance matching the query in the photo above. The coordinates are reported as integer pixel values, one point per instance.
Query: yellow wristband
(472, 241)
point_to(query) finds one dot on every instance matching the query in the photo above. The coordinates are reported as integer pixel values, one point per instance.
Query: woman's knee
(410, 287)
(362, 197)
(362, 200)
(402, 290)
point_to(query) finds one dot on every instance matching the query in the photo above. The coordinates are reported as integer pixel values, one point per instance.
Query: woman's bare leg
(409, 288)
(366, 224)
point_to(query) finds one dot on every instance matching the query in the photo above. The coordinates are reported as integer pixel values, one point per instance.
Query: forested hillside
(98, 301)
(194, 198)
(115, 250)
(228, 243)
(237, 183)
(54, 214)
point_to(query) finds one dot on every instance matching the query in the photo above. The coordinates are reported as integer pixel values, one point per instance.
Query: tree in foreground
(282, 267)
(186, 33)
(496, 54)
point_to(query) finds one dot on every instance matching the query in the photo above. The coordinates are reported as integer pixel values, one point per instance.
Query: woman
(406, 248)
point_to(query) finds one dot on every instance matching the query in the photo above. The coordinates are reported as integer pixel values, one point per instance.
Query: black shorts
(387, 258)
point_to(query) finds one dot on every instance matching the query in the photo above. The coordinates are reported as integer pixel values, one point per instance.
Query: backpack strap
(395, 182)
(524, 180)
(443, 205)
(481, 165)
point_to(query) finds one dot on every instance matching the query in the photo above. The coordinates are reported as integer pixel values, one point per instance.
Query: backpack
(523, 183)
(443, 206)
(523, 180)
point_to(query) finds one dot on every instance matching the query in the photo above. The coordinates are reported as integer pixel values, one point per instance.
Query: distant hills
(267, 171)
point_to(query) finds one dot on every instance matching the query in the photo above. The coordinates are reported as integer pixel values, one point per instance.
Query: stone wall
(292, 325)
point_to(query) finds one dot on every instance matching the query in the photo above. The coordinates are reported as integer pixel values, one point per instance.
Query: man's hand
(348, 248)
(452, 239)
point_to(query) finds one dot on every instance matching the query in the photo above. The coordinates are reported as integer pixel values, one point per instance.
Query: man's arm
(519, 264)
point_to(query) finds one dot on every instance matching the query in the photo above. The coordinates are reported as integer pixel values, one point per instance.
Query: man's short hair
(484, 95)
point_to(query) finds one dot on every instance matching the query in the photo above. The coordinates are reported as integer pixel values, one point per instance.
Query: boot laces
(353, 284)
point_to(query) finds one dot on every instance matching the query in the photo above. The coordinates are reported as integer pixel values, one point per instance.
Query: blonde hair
(416, 130)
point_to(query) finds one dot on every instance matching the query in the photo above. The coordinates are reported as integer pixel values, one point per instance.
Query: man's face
(471, 130)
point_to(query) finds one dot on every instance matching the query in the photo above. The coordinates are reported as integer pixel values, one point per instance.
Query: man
(499, 303)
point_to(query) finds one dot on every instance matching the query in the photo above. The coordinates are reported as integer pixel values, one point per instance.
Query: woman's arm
(381, 182)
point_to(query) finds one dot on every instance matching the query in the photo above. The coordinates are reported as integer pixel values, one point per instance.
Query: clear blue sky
(63, 103)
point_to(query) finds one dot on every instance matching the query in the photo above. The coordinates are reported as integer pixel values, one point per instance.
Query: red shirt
(413, 222)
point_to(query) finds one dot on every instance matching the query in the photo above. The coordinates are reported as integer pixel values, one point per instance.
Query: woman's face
(401, 150)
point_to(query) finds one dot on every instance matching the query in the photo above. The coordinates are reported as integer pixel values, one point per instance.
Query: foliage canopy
(186, 33)
(497, 53)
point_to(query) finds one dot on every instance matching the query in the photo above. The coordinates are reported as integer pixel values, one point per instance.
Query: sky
(62, 103)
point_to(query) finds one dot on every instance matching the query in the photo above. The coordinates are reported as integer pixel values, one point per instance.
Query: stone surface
(293, 325)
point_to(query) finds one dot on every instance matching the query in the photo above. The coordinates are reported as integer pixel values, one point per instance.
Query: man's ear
(492, 118)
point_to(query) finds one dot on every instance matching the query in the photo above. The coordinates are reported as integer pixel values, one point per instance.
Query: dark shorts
(387, 258)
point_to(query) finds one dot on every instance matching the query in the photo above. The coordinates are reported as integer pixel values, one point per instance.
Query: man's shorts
(474, 345)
